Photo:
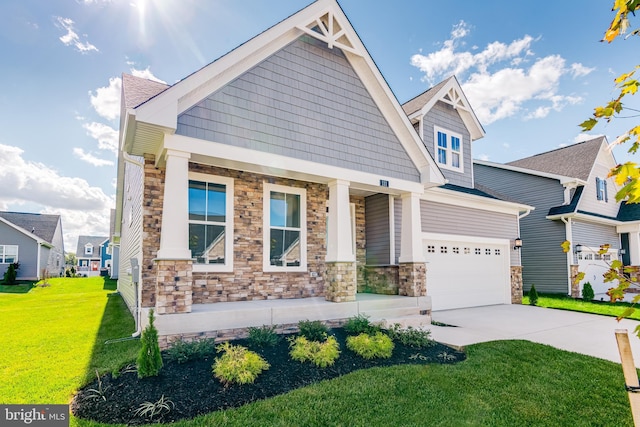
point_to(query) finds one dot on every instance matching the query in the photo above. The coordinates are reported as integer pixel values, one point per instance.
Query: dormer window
(448, 149)
(601, 190)
(88, 249)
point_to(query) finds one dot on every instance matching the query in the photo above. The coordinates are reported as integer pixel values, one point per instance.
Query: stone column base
(340, 281)
(412, 279)
(575, 287)
(173, 286)
(516, 284)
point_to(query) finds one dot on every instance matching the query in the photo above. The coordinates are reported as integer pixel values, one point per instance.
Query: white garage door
(594, 265)
(467, 273)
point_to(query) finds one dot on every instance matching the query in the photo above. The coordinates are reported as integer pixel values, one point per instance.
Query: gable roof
(136, 90)
(143, 127)
(42, 226)
(574, 161)
(450, 92)
(96, 241)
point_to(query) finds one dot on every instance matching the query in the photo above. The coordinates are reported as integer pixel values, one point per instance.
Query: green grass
(20, 288)
(53, 339)
(564, 302)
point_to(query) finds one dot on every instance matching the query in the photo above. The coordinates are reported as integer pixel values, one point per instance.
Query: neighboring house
(34, 241)
(287, 170)
(114, 246)
(575, 200)
(92, 255)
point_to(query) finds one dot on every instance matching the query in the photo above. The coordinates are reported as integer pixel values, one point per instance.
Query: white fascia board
(25, 232)
(564, 180)
(464, 238)
(456, 198)
(586, 218)
(239, 158)
(629, 227)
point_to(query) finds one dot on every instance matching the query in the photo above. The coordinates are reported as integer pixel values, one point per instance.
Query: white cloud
(506, 145)
(106, 100)
(581, 137)
(84, 209)
(483, 157)
(72, 38)
(106, 135)
(146, 74)
(90, 158)
(579, 70)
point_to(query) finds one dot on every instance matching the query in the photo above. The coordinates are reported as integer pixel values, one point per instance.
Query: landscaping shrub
(587, 292)
(411, 337)
(360, 324)
(264, 336)
(11, 274)
(313, 330)
(238, 364)
(321, 354)
(182, 352)
(533, 296)
(368, 346)
(149, 360)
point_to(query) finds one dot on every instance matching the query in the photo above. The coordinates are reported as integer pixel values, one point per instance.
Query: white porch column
(634, 247)
(411, 235)
(174, 237)
(339, 240)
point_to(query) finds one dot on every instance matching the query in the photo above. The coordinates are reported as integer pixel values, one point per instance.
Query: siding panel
(544, 262)
(377, 229)
(304, 102)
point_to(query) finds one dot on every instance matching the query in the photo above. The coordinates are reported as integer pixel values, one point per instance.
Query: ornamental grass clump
(149, 360)
(321, 354)
(238, 365)
(373, 346)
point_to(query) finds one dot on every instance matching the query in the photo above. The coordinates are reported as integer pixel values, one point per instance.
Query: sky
(532, 71)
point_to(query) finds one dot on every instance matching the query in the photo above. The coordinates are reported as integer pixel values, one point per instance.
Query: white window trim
(227, 267)
(449, 134)
(266, 227)
(88, 249)
(602, 196)
(4, 252)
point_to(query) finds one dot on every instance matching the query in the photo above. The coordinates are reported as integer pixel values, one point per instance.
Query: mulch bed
(194, 390)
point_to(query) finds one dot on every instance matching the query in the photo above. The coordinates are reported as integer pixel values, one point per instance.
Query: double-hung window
(285, 230)
(8, 254)
(211, 222)
(448, 146)
(601, 189)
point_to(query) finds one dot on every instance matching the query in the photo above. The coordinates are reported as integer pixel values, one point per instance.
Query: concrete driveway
(588, 334)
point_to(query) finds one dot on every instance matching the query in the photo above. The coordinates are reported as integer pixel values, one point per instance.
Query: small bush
(11, 273)
(238, 365)
(587, 292)
(360, 325)
(411, 337)
(321, 354)
(371, 346)
(313, 330)
(182, 352)
(264, 336)
(533, 296)
(149, 360)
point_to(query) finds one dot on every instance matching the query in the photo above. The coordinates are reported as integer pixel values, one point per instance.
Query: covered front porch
(231, 319)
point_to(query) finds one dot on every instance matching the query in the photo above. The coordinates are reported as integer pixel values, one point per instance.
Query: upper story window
(601, 189)
(285, 230)
(8, 254)
(88, 249)
(211, 222)
(448, 149)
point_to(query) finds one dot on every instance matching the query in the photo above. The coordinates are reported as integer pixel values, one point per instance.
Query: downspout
(127, 158)
(520, 235)
(39, 248)
(568, 237)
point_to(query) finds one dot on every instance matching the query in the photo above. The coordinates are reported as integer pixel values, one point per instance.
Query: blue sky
(532, 71)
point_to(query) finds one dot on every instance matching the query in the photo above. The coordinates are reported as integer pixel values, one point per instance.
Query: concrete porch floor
(243, 314)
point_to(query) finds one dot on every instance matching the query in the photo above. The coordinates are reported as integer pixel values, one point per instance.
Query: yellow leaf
(616, 264)
(637, 331)
(578, 277)
(587, 125)
(566, 246)
(604, 249)
(626, 313)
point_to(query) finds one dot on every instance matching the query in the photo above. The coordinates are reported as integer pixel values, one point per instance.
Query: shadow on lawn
(113, 346)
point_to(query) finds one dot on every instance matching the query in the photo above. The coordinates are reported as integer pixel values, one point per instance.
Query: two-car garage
(466, 271)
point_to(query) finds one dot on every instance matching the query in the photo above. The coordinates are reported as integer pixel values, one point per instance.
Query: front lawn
(564, 302)
(53, 339)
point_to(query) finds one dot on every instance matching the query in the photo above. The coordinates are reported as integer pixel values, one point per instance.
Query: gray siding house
(90, 255)
(575, 201)
(34, 241)
(284, 181)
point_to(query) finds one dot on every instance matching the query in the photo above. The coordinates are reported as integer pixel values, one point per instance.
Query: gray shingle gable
(136, 90)
(96, 241)
(42, 225)
(574, 161)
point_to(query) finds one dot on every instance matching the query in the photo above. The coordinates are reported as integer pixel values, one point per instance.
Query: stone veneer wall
(152, 199)
(412, 279)
(173, 287)
(361, 239)
(341, 281)
(575, 286)
(378, 279)
(516, 284)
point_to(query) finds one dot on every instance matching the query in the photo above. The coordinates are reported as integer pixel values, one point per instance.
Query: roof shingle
(42, 225)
